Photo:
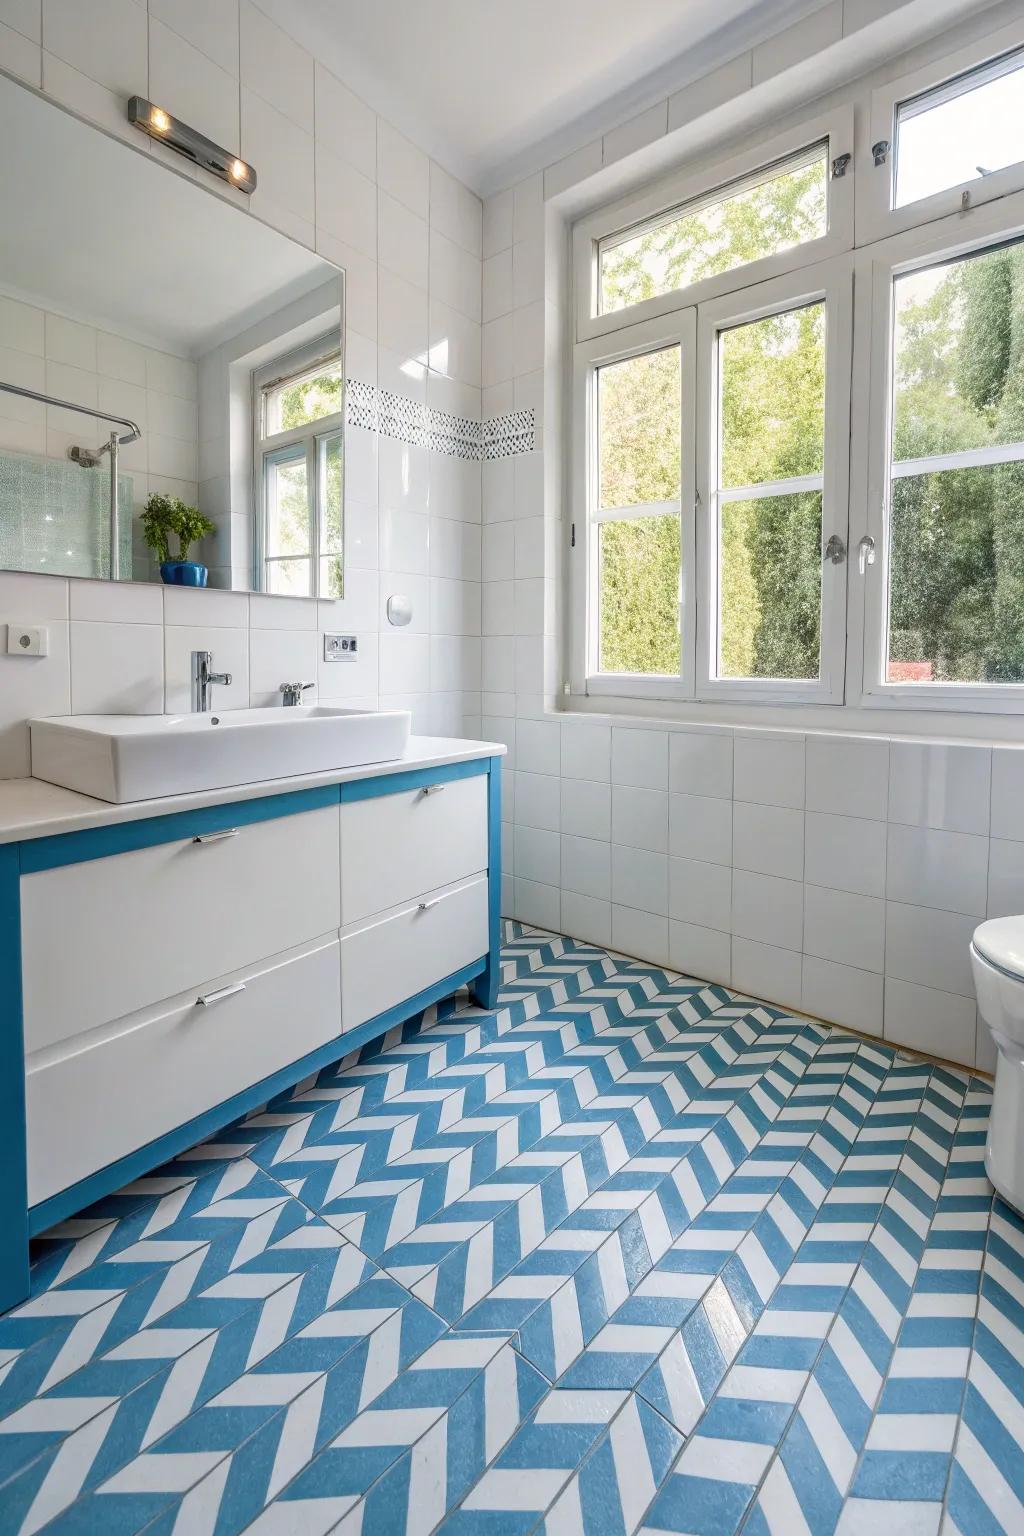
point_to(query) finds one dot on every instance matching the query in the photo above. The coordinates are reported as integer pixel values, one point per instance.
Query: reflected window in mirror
(298, 411)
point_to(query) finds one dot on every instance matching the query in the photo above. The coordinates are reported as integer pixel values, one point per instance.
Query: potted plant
(164, 515)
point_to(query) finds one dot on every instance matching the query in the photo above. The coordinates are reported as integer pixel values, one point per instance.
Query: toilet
(997, 959)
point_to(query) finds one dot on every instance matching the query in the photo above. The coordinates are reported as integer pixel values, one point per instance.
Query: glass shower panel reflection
(55, 517)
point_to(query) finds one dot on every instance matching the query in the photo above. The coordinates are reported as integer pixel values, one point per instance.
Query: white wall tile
(630, 136)
(586, 751)
(703, 953)
(1005, 878)
(709, 91)
(279, 656)
(404, 662)
(768, 839)
(586, 867)
(402, 241)
(106, 40)
(210, 25)
(283, 154)
(402, 169)
(700, 828)
(640, 758)
(496, 297)
(20, 56)
(538, 746)
(116, 669)
(769, 770)
(537, 855)
(497, 223)
(700, 764)
(455, 210)
(767, 909)
(218, 610)
(586, 808)
(275, 66)
(192, 86)
(113, 602)
(846, 853)
(640, 879)
(29, 685)
(841, 926)
(763, 971)
(346, 203)
(842, 994)
(929, 947)
(935, 785)
(848, 776)
(700, 893)
(935, 1022)
(640, 817)
(586, 918)
(929, 868)
(538, 801)
(345, 124)
(1008, 792)
(640, 934)
(537, 904)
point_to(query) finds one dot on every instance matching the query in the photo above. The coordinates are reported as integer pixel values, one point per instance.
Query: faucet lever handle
(293, 692)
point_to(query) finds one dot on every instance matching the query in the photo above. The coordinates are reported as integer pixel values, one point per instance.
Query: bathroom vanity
(168, 965)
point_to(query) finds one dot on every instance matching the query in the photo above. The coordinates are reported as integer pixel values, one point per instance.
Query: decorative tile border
(394, 415)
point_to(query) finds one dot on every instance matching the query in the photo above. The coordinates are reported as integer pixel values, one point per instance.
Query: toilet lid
(1001, 942)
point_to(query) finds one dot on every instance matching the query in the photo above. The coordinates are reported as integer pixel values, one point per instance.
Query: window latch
(880, 151)
(835, 550)
(865, 553)
(839, 165)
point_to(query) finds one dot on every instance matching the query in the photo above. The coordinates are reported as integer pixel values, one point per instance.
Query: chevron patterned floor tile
(627, 1253)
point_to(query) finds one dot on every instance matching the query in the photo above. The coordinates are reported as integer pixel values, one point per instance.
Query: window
(299, 409)
(787, 203)
(765, 214)
(960, 131)
(946, 138)
(955, 596)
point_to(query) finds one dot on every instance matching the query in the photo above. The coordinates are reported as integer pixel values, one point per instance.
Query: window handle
(835, 550)
(865, 553)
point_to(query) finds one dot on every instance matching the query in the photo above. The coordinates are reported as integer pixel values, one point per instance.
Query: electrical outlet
(28, 640)
(341, 648)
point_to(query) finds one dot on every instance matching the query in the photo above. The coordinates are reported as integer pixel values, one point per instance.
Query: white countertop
(31, 808)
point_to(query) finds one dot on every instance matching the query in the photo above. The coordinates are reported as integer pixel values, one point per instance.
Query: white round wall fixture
(399, 610)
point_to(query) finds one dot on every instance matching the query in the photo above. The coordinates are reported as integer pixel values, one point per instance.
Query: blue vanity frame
(19, 1221)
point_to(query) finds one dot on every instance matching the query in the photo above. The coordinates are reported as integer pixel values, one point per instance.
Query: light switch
(28, 640)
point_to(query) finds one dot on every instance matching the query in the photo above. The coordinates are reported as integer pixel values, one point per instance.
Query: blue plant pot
(183, 573)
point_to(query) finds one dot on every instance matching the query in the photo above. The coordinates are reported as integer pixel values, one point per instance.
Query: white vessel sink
(140, 757)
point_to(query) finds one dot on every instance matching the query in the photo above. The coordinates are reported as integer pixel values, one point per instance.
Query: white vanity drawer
(104, 938)
(169, 1063)
(397, 954)
(394, 847)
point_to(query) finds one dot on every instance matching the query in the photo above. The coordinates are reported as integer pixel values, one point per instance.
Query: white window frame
(944, 241)
(309, 436)
(835, 129)
(831, 283)
(876, 217)
(679, 330)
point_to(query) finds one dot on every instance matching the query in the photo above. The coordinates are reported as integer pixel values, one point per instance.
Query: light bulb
(239, 170)
(159, 120)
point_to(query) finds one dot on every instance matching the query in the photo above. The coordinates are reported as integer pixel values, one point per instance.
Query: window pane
(639, 595)
(288, 578)
(638, 407)
(332, 580)
(287, 506)
(305, 397)
(957, 576)
(958, 376)
(329, 467)
(961, 131)
(770, 620)
(785, 209)
(773, 397)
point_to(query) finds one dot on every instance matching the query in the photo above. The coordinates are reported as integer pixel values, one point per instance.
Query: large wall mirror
(160, 351)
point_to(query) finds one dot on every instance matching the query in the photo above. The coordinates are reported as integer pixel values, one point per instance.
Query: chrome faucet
(203, 680)
(292, 692)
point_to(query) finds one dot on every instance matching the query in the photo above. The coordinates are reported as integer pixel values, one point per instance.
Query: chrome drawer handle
(216, 837)
(425, 906)
(432, 789)
(206, 998)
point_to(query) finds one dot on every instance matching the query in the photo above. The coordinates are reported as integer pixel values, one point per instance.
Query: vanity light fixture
(158, 124)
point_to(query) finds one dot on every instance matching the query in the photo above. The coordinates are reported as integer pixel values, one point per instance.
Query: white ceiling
(492, 88)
